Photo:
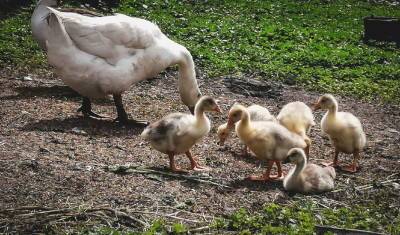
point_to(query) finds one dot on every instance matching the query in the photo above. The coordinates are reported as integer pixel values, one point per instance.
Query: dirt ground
(51, 156)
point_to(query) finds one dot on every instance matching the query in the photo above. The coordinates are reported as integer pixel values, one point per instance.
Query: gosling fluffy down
(307, 177)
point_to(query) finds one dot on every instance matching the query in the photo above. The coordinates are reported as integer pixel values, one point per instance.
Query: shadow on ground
(83, 126)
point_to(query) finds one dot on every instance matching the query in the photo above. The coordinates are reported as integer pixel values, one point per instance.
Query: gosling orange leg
(335, 162)
(265, 176)
(172, 165)
(307, 151)
(352, 168)
(280, 175)
(194, 165)
(245, 151)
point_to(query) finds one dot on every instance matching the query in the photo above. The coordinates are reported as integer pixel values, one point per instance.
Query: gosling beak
(191, 109)
(316, 106)
(221, 142)
(217, 109)
(230, 123)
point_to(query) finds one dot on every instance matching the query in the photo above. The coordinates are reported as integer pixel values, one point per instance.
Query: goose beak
(191, 109)
(217, 109)
(230, 123)
(316, 106)
(221, 142)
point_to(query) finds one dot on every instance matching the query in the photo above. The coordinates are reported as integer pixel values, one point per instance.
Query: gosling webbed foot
(352, 168)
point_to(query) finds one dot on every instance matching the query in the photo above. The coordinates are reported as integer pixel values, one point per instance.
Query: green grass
(298, 218)
(315, 44)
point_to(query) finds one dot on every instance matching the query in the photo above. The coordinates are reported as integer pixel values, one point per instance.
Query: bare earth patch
(50, 156)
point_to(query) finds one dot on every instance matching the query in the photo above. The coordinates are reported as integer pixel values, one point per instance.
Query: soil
(51, 156)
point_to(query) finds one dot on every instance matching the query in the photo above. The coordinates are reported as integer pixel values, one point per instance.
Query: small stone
(392, 130)
(44, 150)
(76, 130)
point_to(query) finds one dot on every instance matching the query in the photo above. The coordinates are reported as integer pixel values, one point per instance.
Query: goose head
(235, 114)
(295, 156)
(223, 133)
(207, 104)
(325, 102)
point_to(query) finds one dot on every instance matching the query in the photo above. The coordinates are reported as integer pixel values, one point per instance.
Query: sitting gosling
(344, 130)
(257, 113)
(298, 118)
(176, 133)
(307, 177)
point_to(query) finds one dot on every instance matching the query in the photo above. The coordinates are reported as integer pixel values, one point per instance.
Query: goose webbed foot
(123, 116)
(350, 168)
(194, 165)
(86, 109)
(172, 164)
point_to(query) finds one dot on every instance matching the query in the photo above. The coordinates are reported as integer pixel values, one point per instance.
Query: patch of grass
(157, 227)
(315, 44)
(17, 47)
(302, 218)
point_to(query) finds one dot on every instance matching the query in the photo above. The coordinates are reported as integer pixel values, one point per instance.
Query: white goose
(99, 56)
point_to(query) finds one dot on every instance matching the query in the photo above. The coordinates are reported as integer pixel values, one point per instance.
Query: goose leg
(307, 151)
(245, 151)
(172, 165)
(123, 116)
(86, 109)
(335, 162)
(194, 165)
(265, 176)
(280, 175)
(352, 168)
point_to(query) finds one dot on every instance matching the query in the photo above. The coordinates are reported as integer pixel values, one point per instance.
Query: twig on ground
(167, 215)
(199, 229)
(367, 186)
(133, 169)
(41, 216)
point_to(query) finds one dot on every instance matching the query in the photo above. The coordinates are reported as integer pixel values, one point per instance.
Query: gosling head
(223, 133)
(235, 114)
(207, 103)
(295, 156)
(325, 102)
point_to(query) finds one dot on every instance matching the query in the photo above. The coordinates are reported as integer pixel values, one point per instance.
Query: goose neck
(299, 167)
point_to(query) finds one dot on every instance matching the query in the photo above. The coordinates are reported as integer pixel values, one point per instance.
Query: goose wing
(172, 125)
(109, 37)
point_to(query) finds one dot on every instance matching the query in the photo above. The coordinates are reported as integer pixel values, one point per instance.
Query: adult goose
(100, 56)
